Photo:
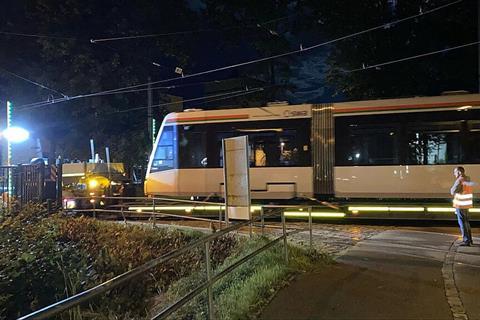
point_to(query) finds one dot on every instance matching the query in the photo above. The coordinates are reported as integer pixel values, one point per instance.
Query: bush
(44, 259)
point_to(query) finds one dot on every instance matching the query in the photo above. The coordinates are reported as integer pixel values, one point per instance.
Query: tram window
(366, 143)
(165, 153)
(434, 143)
(271, 143)
(472, 142)
(275, 148)
(192, 146)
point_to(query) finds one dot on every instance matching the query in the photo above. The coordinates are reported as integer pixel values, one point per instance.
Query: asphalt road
(395, 274)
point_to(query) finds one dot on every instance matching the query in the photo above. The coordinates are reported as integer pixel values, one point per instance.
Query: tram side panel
(404, 155)
(397, 182)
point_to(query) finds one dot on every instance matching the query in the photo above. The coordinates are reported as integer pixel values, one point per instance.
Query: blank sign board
(236, 175)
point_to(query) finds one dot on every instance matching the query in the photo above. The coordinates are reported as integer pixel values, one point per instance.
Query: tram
(391, 150)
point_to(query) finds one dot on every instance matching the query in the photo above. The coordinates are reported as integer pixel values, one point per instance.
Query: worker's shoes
(466, 244)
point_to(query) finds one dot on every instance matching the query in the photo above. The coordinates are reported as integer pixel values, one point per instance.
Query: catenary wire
(41, 104)
(227, 95)
(30, 35)
(36, 35)
(283, 54)
(176, 86)
(153, 35)
(188, 100)
(410, 58)
(32, 82)
(389, 24)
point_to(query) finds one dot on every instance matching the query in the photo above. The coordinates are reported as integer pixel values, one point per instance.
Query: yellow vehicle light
(189, 208)
(386, 209)
(92, 184)
(474, 210)
(441, 209)
(367, 208)
(409, 209)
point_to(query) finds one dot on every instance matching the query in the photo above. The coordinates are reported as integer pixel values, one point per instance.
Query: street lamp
(12, 134)
(16, 134)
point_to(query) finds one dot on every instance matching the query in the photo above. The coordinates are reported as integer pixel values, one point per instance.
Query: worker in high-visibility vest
(462, 192)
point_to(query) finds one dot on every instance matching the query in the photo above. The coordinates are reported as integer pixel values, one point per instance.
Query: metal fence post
(310, 225)
(59, 182)
(263, 221)
(209, 278)
(153, 207)
(123, 215)
(250, 226)
(41, 182)
(220, 217)
(285, 249)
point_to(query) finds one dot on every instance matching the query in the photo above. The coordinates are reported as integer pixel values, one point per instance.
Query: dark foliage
(45, 259)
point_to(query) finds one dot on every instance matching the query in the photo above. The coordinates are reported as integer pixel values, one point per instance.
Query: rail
(87, 295)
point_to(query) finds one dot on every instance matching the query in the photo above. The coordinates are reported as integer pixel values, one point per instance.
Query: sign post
(236, 178)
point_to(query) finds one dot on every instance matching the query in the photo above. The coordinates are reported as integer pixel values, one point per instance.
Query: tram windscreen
(164, 158)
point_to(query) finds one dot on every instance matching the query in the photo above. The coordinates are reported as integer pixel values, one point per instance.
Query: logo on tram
(295, 113)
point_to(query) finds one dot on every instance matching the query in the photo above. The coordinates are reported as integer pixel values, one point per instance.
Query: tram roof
(285, 111)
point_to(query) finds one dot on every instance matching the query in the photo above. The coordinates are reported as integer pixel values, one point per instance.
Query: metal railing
(204, 243)
(27, 183)
(152, 202)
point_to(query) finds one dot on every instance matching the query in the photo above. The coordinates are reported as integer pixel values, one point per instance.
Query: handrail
(185, 299)
(149, 199)
(86, 295)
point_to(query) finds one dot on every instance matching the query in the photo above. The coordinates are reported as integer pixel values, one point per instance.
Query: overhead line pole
(149, 111)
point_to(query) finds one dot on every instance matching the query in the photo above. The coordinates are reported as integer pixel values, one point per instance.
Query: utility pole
(149, 111)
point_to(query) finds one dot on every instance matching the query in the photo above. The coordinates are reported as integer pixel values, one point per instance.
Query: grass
(242, 293)
(46, 258)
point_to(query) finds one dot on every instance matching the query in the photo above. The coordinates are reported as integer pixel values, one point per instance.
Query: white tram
(378, 149)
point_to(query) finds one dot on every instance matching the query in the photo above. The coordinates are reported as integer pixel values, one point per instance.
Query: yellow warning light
(92, 184)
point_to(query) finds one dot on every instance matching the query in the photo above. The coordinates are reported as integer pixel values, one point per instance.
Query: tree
(424, 76)
(69, 63)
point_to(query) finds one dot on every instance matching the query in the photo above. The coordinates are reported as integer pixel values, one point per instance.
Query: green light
(9, 148)
(154, 130)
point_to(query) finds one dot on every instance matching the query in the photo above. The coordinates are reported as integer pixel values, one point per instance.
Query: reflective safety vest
(464, 200)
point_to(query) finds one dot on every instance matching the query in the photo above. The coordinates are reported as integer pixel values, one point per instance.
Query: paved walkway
(396, 274)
